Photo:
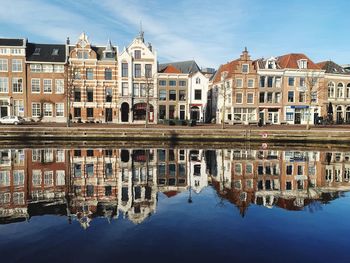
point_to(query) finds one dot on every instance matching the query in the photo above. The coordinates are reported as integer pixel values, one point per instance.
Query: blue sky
(211, 32)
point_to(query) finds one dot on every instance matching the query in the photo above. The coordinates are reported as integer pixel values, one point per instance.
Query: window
(143, 89)
(109, 95)
(37, 51)
(90, 95)
(83, 54)
(262, 82)
(198, 80)
(3, 65)
(245, 68)
(36, 177)
(137, 54)
(162, 94)
(289, 169)
(59, 109)
(16, 65)
(59, 84)
(239, 83)
(4, 85)
(277, 97)
(172, 83)
(172, 94)
(269, 82)
(302, 63)
(60, 177)
(291, 81)
(182, 95)
(35, 68)
(136, 90)
(17, 85)
(89, 169)
(36, 109)
(250, 83)
(250, 98)
(18, 107)
(262, 97)
(35, 85)
(18, 177)
(77, 112)
(302, 96)
(137, 70)
(331, 86)
(108, 74)
(76, 73)
(239, 98)
(171, 112)
(162, 112)
(148, 70)
(340, 90)
(125, 69)
(89, 74)
(162, 83)
(48, 178)
(125, 89)
(47, 86)
(269, 97)
(90, 112)
(77, 95)
(289, 116)
(290, 96)
(197, 94)
(4, 178)
(182, 83)
(47, 109)
(58, 68)
(302, 82)
(277, 82)
(48, 68)
(60, 156)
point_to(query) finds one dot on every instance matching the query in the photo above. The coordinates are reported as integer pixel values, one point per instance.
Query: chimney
(67, 41)
(149, 46)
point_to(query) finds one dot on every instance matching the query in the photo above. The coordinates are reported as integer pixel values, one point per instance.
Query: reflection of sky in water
(207, 230)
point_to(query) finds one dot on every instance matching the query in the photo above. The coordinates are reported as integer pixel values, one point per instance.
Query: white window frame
(17, 81)
(4, 65)
(4, 85)
(36, 85)
(59, 109)
(48, 178)
(17, 65)
(47, 110)
(250, 81)
(250, 93)
(236, 100)
(239, 81)
(36, 109)
(59, 86)
(60, 177)
(47, 86)
(243, 66)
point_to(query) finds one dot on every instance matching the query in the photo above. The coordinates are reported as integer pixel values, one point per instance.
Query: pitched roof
(261, 63)
(332, 67)
(12, 42)
(46, 52)
(185, 67)
(229, 67)
(291, 61)
(170, 69)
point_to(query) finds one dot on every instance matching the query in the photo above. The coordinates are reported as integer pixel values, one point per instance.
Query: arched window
(331, 90)
(198, 81)
(340, 90)
(348, 91)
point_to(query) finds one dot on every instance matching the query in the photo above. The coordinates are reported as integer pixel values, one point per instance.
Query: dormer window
(271, 64)
(245, 68)
(302, 63)
(83, 54)
(37, 51)
(55, 52)
(137, 54)
(109, 55)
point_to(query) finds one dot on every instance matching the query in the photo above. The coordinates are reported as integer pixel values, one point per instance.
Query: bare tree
(312, 92)
(149, 88)
(71, 76)
(224, 91)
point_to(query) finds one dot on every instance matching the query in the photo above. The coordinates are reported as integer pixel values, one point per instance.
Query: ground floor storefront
(302, 114)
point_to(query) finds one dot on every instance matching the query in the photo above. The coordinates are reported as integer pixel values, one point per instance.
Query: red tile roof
(291, 61)
(170, 194)
(170, 69)
(229, 67)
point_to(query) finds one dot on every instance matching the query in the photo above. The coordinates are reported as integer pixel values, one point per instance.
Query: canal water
(174, 204)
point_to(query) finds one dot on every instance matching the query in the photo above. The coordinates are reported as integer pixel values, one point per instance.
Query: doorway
(109, 115)
(125, 112)
(297, 117)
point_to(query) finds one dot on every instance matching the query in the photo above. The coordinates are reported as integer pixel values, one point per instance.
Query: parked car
(12, 120)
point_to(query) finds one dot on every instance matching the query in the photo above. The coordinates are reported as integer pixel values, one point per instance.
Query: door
(3, 112)
(261, 118)
(316, 118)
(109, 115)
(125, 112)
(297, 118)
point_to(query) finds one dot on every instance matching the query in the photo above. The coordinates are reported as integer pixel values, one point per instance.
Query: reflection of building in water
(288, 179)
(93, 185)
(88, 183)
(13, 190)
(137, 183)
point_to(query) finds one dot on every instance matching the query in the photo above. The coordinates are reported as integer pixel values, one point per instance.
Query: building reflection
(83, 184)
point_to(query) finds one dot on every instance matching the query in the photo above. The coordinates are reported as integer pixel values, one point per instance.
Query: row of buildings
(82, 82)
(86, 183)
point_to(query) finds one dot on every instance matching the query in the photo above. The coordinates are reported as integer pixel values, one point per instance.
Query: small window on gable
(245, 68)
(271, 64)
(137, 54)
(55, 52)
(302, 63)
(37, 51)
(198, 81)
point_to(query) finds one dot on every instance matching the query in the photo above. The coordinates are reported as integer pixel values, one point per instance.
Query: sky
(210, 32)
